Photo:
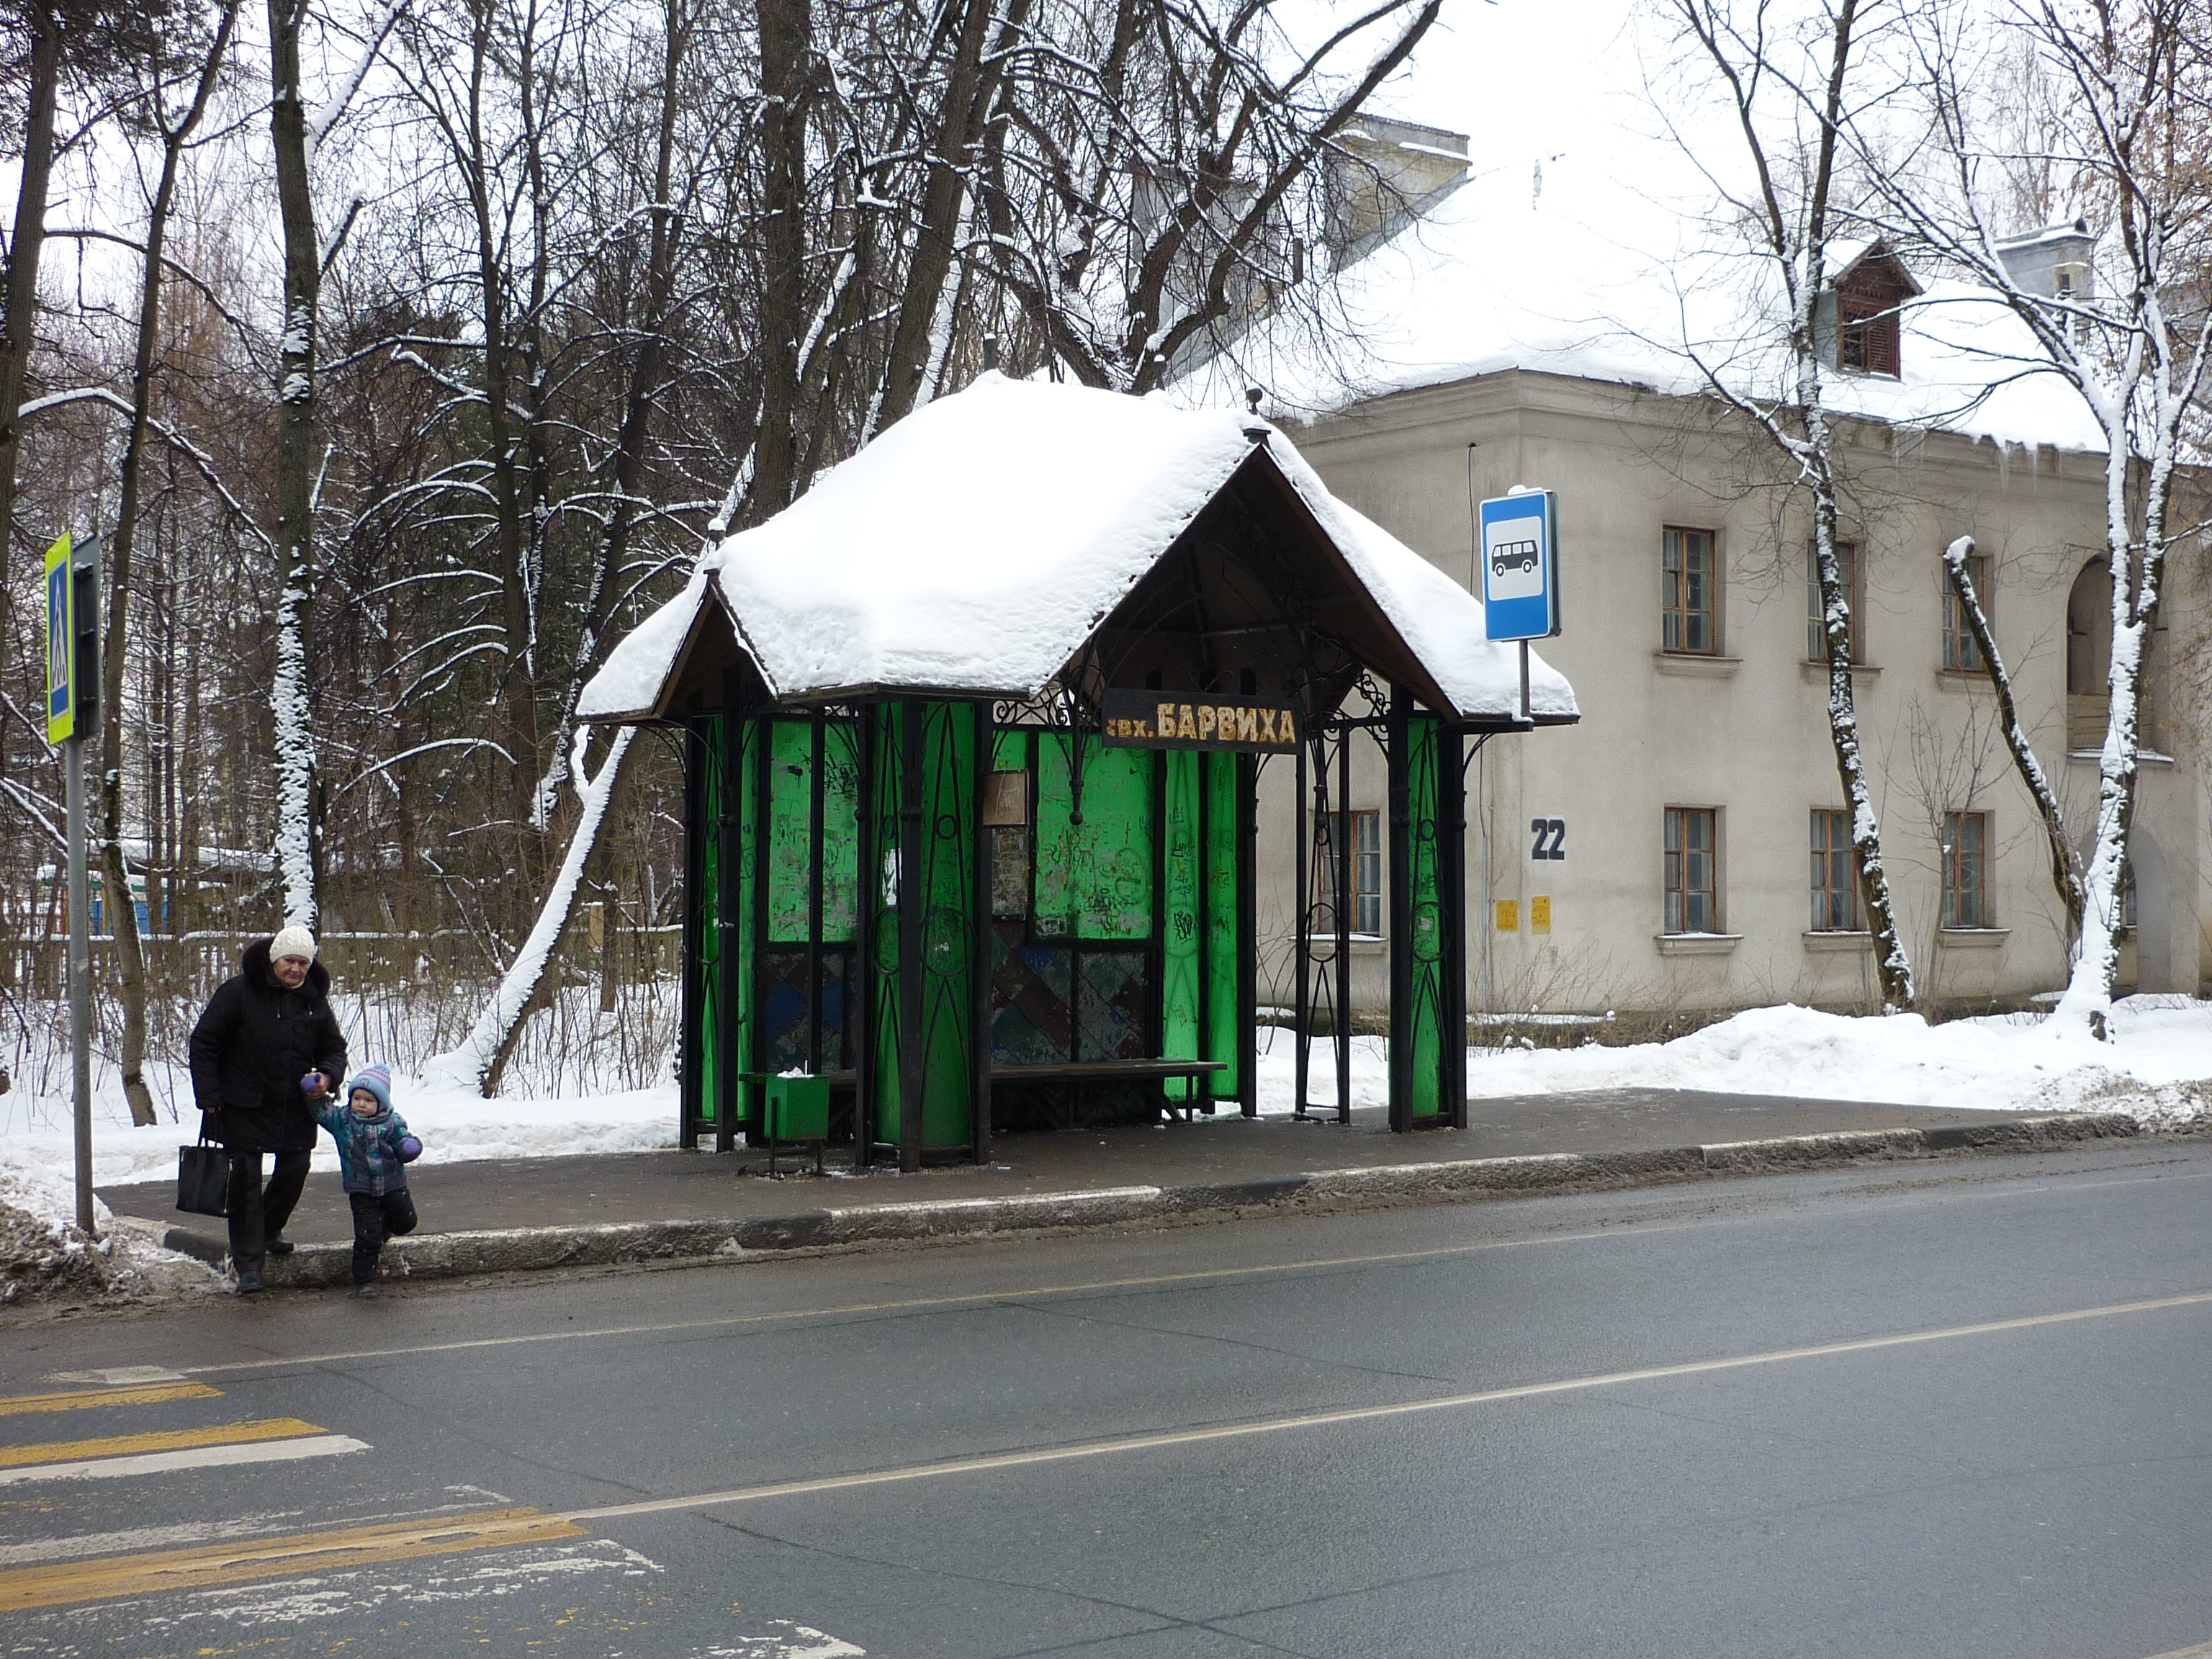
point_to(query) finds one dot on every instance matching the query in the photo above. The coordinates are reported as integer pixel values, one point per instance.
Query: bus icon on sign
(1508, 556)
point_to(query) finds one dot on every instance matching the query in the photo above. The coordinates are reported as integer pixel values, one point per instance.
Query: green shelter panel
(792, 842)
(1423, 1025)
(1182, 944)
(1094, 879)
(1226, 1019)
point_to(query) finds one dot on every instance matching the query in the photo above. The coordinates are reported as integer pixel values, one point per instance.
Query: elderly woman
(266, 1051)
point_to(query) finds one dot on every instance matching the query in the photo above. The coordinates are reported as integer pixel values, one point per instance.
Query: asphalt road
(1955, 1409)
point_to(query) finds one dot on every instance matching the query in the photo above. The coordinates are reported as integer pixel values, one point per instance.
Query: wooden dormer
(1867, 330)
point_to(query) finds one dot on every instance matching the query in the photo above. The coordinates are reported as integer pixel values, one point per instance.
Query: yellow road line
(289, 1557)
(77, 1400)
(123, 1445)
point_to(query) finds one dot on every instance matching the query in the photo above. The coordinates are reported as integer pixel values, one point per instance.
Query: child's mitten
(409, 1149)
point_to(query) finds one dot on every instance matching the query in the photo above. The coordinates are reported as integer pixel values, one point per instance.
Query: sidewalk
(552, 1211)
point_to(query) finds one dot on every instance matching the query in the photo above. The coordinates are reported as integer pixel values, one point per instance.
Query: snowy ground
(2161, 1068)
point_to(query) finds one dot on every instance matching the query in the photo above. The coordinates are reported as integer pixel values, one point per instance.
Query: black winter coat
(253, 1043)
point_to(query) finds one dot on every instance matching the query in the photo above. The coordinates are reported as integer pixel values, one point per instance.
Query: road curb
(463, 1255)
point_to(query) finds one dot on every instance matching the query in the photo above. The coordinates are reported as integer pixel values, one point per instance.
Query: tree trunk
(292, 486)
(130, 950)
(24, 249)
(785, 27)
(2065, 866)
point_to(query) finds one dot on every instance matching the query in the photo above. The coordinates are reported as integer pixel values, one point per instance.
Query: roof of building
(1601, 269)
(975, 547)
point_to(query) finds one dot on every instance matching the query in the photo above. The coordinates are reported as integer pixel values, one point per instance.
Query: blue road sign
(1520, 556)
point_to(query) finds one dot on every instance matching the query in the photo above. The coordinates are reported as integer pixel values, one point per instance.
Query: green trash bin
(798, 1109)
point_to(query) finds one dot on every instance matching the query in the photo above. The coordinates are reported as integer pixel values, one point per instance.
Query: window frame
(1365, 828)
(1676, 889)
(1833, 826)
(1955, 889)
(1962, 654)
(1676, 612)
(1816, 640)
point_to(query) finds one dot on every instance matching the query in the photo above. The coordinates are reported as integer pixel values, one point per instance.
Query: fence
(192, 965)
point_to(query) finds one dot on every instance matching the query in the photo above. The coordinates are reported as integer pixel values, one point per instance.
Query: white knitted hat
(292, 942)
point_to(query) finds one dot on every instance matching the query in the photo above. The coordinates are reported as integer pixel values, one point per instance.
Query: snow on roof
(975, 545)
(1626, 279)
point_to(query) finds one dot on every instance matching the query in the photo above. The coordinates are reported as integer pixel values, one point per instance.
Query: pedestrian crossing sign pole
(72, 702)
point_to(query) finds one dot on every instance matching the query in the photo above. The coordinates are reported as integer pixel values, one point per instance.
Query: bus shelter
(973, 737)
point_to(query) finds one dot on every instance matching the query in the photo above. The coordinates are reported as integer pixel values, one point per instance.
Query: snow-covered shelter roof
(978, 546)
(1619, 265)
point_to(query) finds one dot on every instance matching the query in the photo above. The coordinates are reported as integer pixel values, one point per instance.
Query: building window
(1965, 869)
(1686, 591)
(1366, 831)
(1867, 322)
(1816, 629)
(1959, 650)
(1835, 874)
(1692, 871)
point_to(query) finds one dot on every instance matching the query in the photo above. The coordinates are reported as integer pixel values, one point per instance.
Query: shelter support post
(926, 1075)
(692, 1083)
(1427, 1040)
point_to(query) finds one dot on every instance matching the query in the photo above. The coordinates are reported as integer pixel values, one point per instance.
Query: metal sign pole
(80, 966)
(1525, 714)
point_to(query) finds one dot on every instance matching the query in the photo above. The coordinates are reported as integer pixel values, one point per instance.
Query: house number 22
(1550, 835)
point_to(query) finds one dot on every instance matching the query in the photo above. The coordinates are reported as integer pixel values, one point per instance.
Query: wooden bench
(1112, 1071)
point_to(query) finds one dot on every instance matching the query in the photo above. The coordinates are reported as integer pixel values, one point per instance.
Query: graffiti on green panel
(1094, 879)
(841, 832)
(710, 902)
(1423, 796)
(1224, 949)
(1181, 942)
(791, 841)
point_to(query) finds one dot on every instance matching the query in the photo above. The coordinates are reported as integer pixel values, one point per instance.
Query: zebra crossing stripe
(290, 1556)
(77, 1400)
(160, 1440)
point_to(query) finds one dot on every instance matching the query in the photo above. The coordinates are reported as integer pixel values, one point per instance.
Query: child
(374, 1150)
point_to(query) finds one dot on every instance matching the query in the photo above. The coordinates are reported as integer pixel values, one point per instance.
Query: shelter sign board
(1519, 558)
(1158, 720)
(61, 644)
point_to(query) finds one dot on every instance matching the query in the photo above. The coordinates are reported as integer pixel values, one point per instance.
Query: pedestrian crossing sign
(61, 644)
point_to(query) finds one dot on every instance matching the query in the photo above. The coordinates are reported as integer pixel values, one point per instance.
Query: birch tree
(1789, 82)
(2131, 342)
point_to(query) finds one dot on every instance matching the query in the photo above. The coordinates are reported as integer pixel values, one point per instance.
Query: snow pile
(43, 1256)
(2160, 1068)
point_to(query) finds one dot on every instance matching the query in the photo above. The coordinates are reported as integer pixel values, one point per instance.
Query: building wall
(1745, 731)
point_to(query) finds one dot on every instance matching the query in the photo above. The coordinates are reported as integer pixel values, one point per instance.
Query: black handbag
(204, 1178)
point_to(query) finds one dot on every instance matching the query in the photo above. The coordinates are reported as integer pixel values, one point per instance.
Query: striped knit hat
(377, 1079)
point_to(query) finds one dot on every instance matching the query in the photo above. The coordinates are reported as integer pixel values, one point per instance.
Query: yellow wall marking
(77, 1400)
(122, 1446)
(286, 1557)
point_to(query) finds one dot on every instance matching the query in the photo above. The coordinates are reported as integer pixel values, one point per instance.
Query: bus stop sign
(1520, 556)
